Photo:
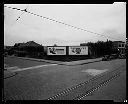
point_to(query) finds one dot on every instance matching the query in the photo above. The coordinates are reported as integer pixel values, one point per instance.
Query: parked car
(113, 56)
(122, 56)
(106, 58)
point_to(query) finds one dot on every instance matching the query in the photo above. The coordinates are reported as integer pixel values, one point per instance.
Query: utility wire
(25, 10)
(61, 22)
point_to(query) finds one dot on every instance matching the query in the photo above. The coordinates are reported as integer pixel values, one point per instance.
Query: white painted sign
(78, 50)
(52, 50)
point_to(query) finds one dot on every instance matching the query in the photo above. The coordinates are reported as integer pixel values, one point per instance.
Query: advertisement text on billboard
(78, 50)
(56, 50)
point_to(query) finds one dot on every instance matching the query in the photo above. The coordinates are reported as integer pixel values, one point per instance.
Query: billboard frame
(65, 53)
(78, 54)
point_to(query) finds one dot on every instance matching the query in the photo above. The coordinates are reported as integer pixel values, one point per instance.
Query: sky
(106, 19)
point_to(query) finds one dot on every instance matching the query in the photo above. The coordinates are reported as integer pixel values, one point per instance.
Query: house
(8, 50)
(120, 45)
(7, 47)
(30, 43)
(28, 48)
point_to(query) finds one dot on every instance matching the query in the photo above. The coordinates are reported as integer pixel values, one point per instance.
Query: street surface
(41, 80)
(115, 90)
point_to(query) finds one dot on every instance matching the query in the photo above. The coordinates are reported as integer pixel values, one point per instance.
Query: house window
(122, 45)
(119, 45)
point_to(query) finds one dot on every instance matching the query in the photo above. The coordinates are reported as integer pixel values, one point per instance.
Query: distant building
(120, 45)
(115, 47)
(30, 48)
(8, 47)
(8, 50)
(30, 43)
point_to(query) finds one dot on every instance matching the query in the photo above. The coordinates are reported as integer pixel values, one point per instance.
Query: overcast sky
(106, 19)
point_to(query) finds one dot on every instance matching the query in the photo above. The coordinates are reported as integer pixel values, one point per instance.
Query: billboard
(54, 50)
(78, 50)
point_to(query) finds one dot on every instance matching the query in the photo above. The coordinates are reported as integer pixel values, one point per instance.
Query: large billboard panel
(54, 50)
(78, 50)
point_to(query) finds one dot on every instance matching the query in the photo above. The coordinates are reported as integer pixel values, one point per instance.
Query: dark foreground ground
(43, 82)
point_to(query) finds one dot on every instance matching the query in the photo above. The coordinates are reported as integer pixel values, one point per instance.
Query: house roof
(30, 43)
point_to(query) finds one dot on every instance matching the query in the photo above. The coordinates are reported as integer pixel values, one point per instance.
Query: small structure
(120, 45)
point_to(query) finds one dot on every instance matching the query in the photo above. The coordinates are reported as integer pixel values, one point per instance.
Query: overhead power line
(24, 10)
(22, 13)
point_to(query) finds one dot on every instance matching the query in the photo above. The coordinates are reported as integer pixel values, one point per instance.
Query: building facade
(120, 45)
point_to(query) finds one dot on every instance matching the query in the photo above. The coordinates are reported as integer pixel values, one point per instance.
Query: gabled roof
(30, 43)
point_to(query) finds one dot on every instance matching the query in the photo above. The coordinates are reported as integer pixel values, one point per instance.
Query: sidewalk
(80, 62)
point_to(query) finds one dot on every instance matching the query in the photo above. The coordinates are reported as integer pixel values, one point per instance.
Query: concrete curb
(80, 62)
(73, 63)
